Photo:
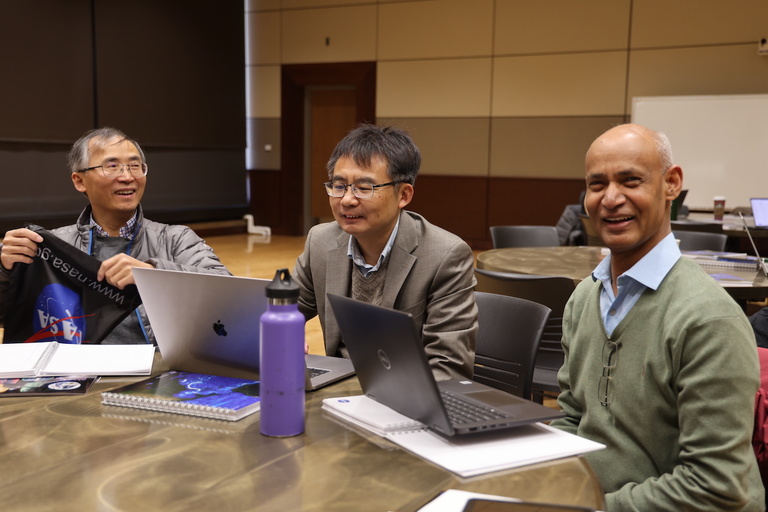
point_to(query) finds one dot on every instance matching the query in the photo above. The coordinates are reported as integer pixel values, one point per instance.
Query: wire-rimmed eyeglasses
(359, 190)
(610, 359)
(115, 169)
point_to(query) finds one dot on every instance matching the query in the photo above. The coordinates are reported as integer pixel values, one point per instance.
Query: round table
(578, 262)
(569, 261)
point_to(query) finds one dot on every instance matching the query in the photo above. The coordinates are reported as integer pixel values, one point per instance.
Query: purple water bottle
(282, 367)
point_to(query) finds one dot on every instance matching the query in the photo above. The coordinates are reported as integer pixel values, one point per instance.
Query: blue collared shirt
(649, 272)
(353, 252)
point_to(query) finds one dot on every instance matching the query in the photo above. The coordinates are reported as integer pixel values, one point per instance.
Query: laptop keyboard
(462, 411)
(314, 372)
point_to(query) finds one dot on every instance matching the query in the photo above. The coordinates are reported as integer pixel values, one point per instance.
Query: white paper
(484, 453)
(32, 359)
(464, 455)
(101, 360)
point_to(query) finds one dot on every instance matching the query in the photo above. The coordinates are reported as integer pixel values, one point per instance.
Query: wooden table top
(73, 453)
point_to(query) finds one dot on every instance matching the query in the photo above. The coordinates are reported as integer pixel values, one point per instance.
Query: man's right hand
(19, 245)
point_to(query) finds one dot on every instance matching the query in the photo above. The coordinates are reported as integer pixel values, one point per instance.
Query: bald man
(660, 363)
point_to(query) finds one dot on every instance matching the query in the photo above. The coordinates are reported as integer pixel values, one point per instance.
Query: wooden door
(332, 114)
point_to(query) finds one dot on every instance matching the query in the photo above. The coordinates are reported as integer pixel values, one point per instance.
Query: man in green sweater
(661, 364)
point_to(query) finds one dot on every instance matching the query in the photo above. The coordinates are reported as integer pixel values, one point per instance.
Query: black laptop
(388, 355)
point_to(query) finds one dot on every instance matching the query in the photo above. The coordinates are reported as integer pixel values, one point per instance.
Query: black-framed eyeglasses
(360, 190)
(610, 359)
(115, 169)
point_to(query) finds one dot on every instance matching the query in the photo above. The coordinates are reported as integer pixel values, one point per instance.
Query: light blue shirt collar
(353, 252)
(649, 272)
(652, 268)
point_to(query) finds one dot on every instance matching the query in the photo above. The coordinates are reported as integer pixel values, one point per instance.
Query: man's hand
(19, 245)
(118, 270)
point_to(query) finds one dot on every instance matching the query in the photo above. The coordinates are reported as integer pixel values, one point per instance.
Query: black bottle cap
(282, 286)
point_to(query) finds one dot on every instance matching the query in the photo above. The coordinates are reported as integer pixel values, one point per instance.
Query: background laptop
(761, 264)
(386, 348)
(208, 323)
(760, 211)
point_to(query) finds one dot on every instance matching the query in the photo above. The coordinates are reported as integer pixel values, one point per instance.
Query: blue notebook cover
(195, 394)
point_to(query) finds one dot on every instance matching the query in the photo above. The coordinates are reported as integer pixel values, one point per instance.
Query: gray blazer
(430, 275)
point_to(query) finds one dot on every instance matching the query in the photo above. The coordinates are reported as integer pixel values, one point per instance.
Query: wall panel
(340, 34)
(560, 85)
(434, 29)
(263, 45)
(530, 201)
(455, 203)
(449, 146)
(265, 91)
(552, 147)
(701, 22)
(694, 71)
(557, 26)
(263, 132)
(434, 88)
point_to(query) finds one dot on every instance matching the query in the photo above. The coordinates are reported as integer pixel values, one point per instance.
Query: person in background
(377, 252)
(660, 362)
(110, 169)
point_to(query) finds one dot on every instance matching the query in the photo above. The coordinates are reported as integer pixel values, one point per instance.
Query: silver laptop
(386, 348)
(762, 265)
(208, 323)
(760, 211)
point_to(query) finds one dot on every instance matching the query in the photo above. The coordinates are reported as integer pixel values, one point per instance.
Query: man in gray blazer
(377, 252)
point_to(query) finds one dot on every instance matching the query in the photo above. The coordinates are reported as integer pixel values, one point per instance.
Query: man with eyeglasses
(111, 171)
(377, 252)
(660, 363)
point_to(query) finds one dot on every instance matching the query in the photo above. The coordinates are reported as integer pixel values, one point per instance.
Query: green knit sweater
(678, 430)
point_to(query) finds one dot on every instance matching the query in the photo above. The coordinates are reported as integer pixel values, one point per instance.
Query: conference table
(578, 262)
(73, 453)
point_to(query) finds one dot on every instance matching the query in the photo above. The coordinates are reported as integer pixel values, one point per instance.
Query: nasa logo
(59, 315)
(219, 329)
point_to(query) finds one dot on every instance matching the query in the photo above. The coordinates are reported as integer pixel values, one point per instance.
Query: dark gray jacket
(169, 247)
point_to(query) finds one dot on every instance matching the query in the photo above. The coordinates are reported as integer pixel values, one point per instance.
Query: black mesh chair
(524, 236)
(550, 291)
(700, 240)
(508, 341)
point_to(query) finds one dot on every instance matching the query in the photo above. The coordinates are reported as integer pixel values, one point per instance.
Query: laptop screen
(760, 211)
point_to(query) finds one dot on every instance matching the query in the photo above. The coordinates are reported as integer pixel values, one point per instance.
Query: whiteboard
(721, 142)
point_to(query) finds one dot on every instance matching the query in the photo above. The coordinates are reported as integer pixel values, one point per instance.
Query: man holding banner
(110, 169)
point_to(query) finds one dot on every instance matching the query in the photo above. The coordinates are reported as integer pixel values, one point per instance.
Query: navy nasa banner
(58, 298)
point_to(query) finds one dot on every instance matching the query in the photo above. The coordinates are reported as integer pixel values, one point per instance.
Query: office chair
(700, 240)
(524, 236)
(507, 342)
(550, 291)
(690, 225)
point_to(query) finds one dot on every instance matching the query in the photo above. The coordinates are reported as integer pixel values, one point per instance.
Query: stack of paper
(53, 359)
(467, 455)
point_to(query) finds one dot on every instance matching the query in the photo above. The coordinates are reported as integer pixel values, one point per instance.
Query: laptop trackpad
(492, 398)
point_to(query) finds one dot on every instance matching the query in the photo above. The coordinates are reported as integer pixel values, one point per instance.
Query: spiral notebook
(463, 455)
(194, 394)
(369, 414)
